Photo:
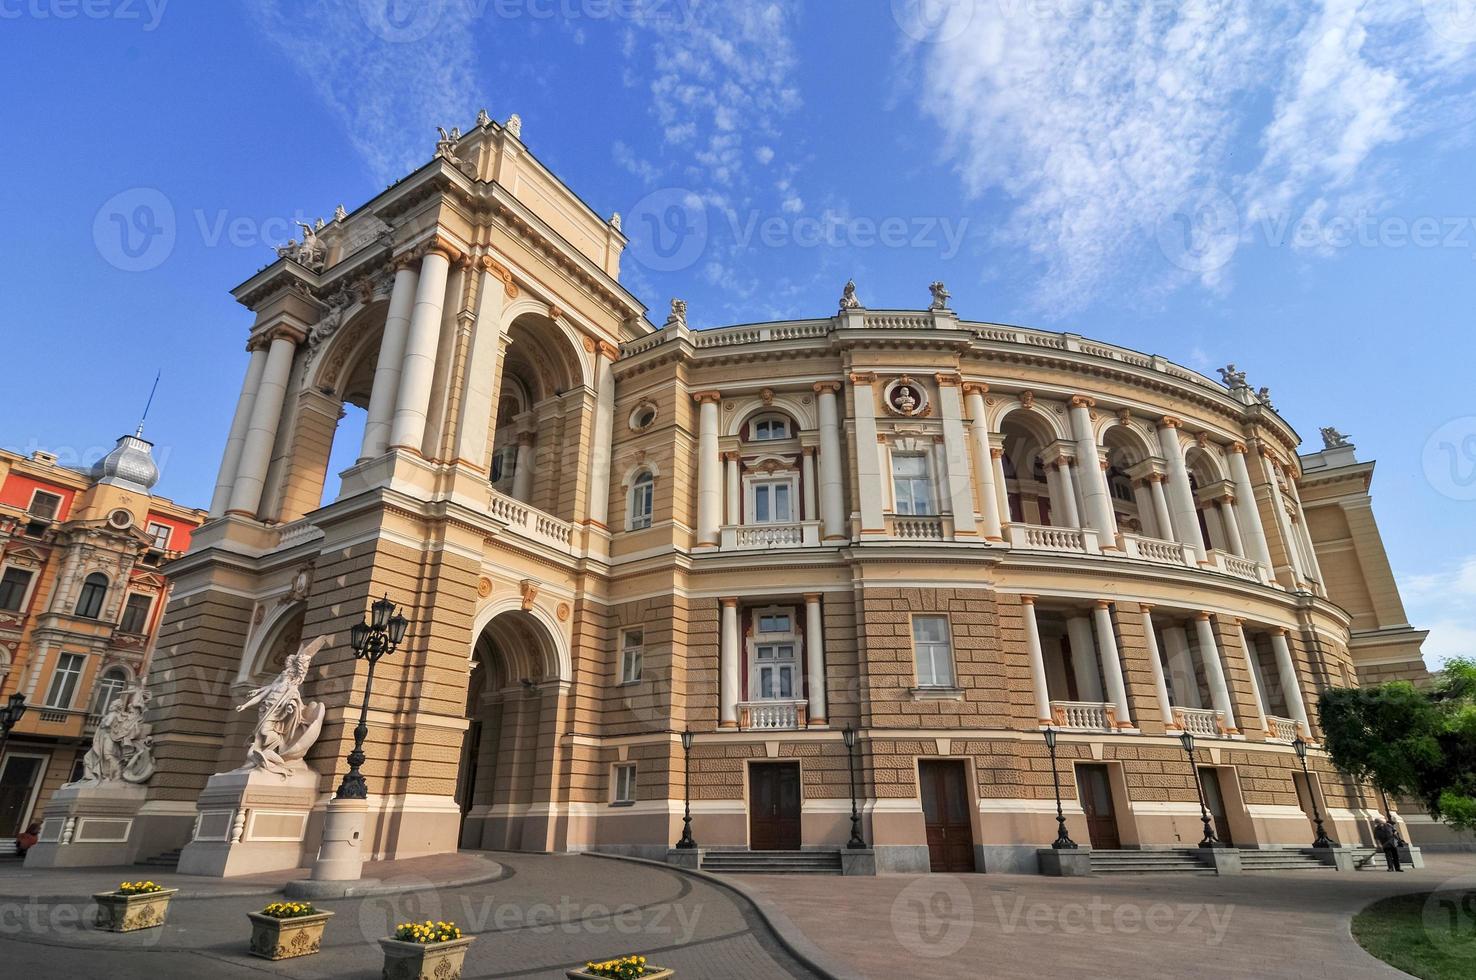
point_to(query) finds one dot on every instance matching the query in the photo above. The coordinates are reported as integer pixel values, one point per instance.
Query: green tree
(1409, 741)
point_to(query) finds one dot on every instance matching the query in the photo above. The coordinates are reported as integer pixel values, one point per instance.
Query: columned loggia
(1067, 488)
(1245, 505)
(1283, 522)
(831, 497)
(266, 414)
(1181, 497)
(1226, 504)
(728, 674)
(391, 361)
(732, 481)
(815, 660)
(1214, 671)
(1155, 666)
(1111, 662)
(1291, 687)
(984, 465)
(240, 422)
(1095, 499)
(807, 477)
(1160, 507)
(418, 367)
(484, 359)
(1037, 661)
(1084, 658)
(1254, 668)
(709, 469)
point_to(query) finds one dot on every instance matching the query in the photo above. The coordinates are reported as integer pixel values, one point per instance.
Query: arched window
(642, 500)
(109, 686)
(769, 427)
(94, 591)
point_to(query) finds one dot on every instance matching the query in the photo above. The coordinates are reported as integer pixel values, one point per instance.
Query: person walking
(1388, 840)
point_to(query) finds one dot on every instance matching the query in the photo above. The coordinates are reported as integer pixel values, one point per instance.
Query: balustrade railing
(1036, 537)
(1084, 716)
(1200, 721)
(758, 537)
(529, 521)
(917, 528)
(771, 716)
(1281, 729)
(1155, 549)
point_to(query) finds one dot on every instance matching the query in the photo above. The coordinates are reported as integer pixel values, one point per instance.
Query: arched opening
(90, 599)
(542, 408)
(1208, 486)
(513, 701)
(1032, 488)
(1128, 486)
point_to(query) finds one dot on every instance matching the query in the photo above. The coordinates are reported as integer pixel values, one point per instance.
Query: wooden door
(945, 803)
(1214, 802)
(1095, 789)
(17, 784)
(774, 806)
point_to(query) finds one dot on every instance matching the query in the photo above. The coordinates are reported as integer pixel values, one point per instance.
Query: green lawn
(1431, 938)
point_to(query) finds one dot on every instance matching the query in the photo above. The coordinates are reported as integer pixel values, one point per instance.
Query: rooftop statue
(848, 300)
(1232, 378)
(1333, 439)
(941, 296)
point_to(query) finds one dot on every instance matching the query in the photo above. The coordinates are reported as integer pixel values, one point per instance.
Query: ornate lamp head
(1050, 737)
(1186, 739)
(381, 611)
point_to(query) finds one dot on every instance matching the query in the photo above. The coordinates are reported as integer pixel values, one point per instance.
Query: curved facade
(942, 534)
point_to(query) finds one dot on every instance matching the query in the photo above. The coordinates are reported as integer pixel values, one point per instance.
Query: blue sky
(1287, 187)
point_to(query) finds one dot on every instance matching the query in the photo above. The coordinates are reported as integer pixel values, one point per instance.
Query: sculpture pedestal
(249, 822)
(87, 826)
(341, 856)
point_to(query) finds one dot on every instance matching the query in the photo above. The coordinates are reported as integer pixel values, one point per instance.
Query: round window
(643, 417)
(121, 519)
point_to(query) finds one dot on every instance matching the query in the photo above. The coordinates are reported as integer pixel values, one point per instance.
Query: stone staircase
(1184, 860)
(1281, 860)
(169, 859)
(772, 862)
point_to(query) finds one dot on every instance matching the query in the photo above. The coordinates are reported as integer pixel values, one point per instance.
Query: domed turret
(130, 465)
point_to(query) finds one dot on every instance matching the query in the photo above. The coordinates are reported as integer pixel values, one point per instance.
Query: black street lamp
(857, 842)
(1186, 739)
(687, 843)
(1321, 840)
(371, 640)
(10, 716)
(1063, 839)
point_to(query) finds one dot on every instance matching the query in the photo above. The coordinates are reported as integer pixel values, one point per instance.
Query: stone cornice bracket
(863, 377)
(445, 247)
(1202, 615)
(500, 271)
(1102, 604)
(948, 379)
(1238, 447)
(975, 387)
(530, 593)
(729, 601)
(1170, 422)
(609, 350)
(706, 396)
(1146, 607)
(1083, 401)
(821, 387)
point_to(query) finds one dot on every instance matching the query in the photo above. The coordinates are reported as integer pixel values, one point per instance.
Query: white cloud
(1108, 126)
(1444, 602)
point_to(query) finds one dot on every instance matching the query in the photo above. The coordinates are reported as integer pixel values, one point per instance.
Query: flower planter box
(424, 961)
(652, 973)
(281, 939)
(125, 913)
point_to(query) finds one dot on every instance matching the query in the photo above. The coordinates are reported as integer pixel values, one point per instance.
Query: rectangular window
(933, 651)
(912, 483)
(775, 656)
(625, 783)
(642, 502)
(632, 653)
(64, 681)
(136, 614)
(161, 534)
(44, 506)
(13, 586)
(773, 502)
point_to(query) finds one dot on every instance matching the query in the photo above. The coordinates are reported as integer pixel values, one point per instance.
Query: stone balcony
(1283, 730)
(1201, 722)
(1039, 537)
(772, 715)
(1084, 716)
(762, 537)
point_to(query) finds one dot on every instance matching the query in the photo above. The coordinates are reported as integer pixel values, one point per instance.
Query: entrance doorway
(1094, 787)
(17, 791)
(774, 806)
(945, 803)
(1214, 801)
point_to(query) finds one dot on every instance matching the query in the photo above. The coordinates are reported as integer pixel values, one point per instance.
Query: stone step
(1177, 861)
(1281, 861)
(169, 859)
(772, 862)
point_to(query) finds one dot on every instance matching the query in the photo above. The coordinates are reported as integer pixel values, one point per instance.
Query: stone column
(996, 462)
(984, 465)
(1095, 500)
(1226, 505)
(728, 664)
(944, 503)
(522, 488)
(477, 413)
(960, 493)
(1160, 508)
(1143, 497)
(231, 459)
(391, 361)
(1112, 663)
(815, 660)
(1299, 525)
(601, 437)
(734, 498)
(1214, 670)
(1245, 505)
(1287, 668)
(1037, 662)
(807, 477)
(1253, 666)
(1181, 668)
(868, 467)
(832, 505)
(412, 400)
(709, 469)
(1068, 492)
(1084, 659)
(1155, 664)
(266, 413)
(1181, 497)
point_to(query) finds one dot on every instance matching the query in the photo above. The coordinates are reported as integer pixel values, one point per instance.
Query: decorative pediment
(27, 557)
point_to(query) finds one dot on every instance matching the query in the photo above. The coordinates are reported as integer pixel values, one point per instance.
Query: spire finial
(148, 405)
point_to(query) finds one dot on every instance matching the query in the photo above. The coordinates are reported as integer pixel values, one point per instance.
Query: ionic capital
(812, 597)
(826, 387)
(1169, 422)
(863, 378)
(1083, 401)
(1102, 604)
(1145, 607)
(443, 247)
(1202, 615)
(1238, 447)
(609, 350)
(950, 380)
(702, 397)
(1028, 600)
(996, 453)
(975, 388)
(729, 602)
(284, 332)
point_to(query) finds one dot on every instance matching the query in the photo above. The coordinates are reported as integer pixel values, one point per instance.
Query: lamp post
(1321, 840)
(1186, 739)
(10, 716)
(371, 640)
(1063, 839)
(686, 843)
(857, 842)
